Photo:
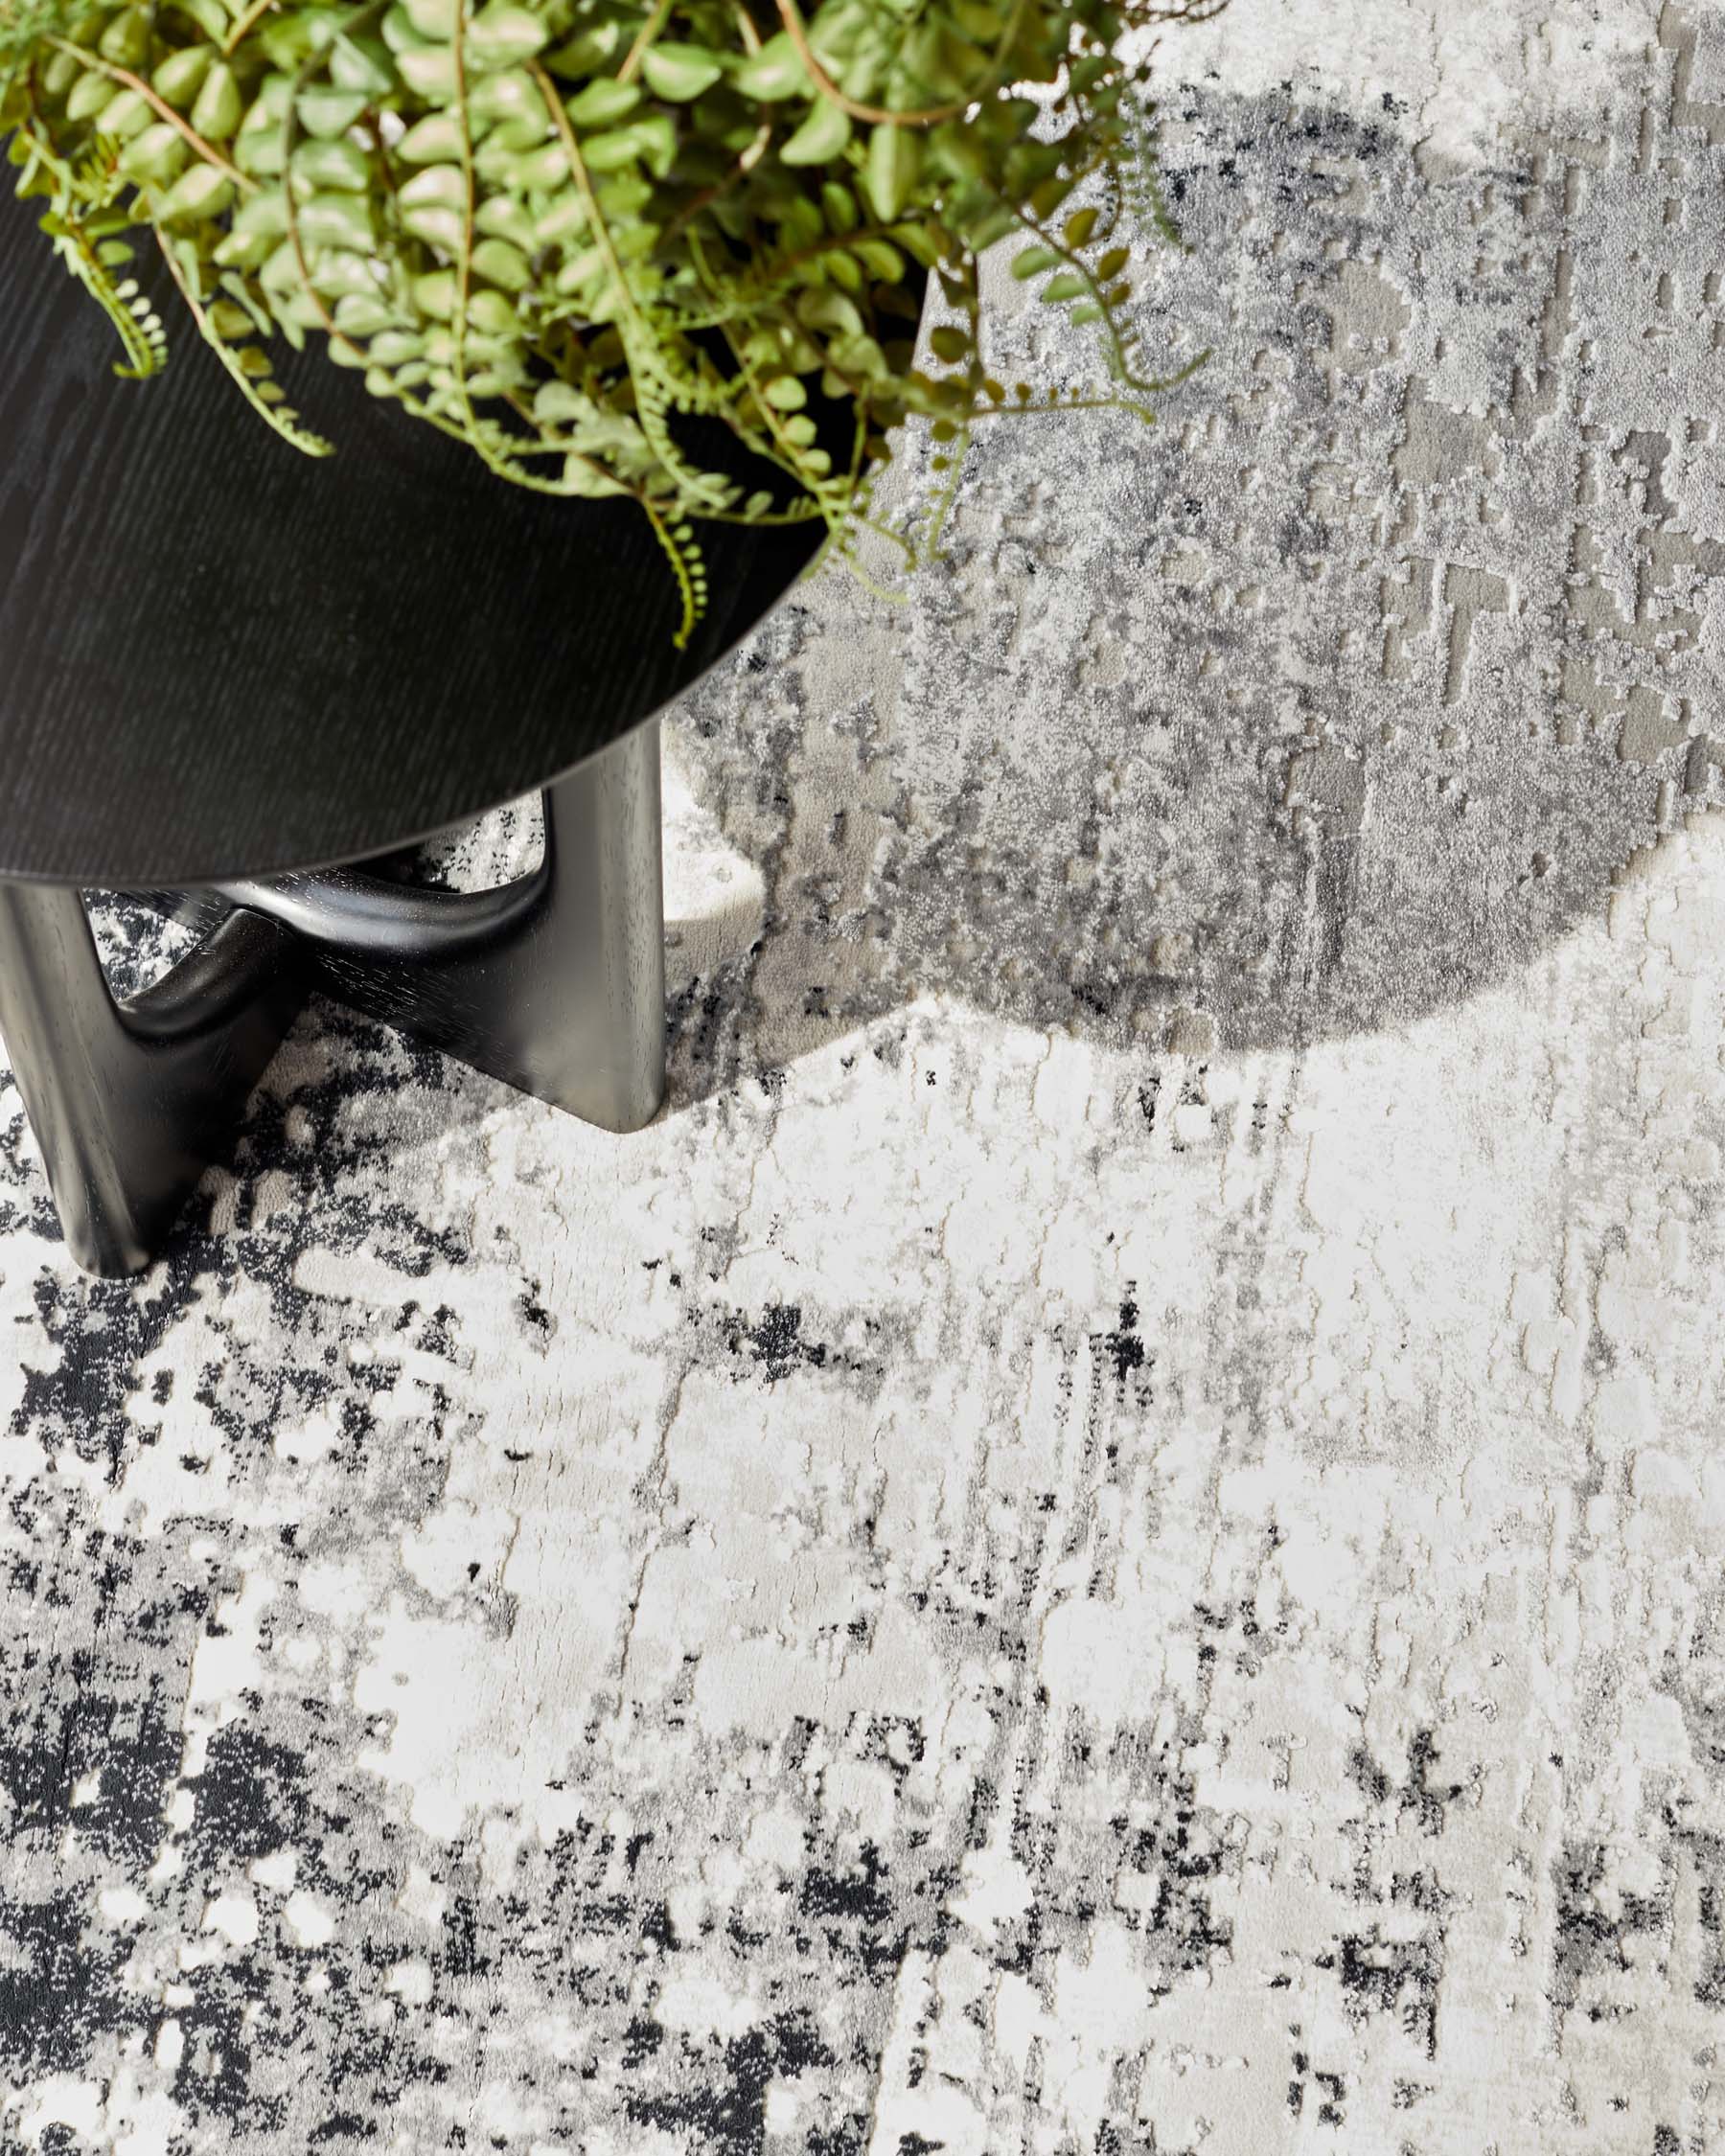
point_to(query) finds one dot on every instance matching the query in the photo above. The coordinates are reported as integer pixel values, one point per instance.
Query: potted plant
(672, 250)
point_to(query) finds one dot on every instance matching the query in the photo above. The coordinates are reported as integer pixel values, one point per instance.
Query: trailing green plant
(556, 228)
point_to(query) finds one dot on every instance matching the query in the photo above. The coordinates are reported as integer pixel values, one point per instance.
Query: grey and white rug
(1106, 1539)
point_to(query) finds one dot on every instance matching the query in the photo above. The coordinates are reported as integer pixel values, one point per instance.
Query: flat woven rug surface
(1106, 1539)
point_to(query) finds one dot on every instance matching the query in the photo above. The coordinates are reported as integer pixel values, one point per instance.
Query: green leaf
(604, 103)
(435, 20)
(292, 37)
(831, 312)
(502, 217)
(658, 136)
(540, 169)
(800, 223)
(500, 263)
(430, 73)
(126, 40)
(580, 270)
(503, 34)
(435, 295)
(203, 191)
(124, 116)
(340, 270)
(775, 72)
(585, 55)
(156, 155)
(565, 220)
(894, 160)
(431, 141)
(440, 227)
(336, 220)
(580, 478)
(491, 312)
(89, 94)
(327, 113)
(280, 271)
(1079, 226)
(440, 186)
(357, 65)
(623, 196)
(1112, 264)
(821, 137)
(209, 16)
(611, 149)
(1065, 286)
(652, 139)
(219, 108)
(881, 260)
(681, 73)
(1034, 262)
(391, 348)
(560, 401)
(263, 216)
(361, 315)
(319, 165)
(949, 343)
(177, 78)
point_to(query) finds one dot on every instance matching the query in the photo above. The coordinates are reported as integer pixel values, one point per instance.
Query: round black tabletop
(221, 657)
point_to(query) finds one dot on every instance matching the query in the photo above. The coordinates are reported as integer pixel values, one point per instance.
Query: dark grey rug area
(1106, 1538)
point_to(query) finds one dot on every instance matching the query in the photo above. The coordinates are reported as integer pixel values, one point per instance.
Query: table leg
(556, 984)
(131, 1101)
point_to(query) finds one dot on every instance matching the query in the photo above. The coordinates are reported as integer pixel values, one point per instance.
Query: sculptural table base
(554, 982)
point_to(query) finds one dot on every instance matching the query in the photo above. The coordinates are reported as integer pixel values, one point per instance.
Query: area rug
(1105, 1539)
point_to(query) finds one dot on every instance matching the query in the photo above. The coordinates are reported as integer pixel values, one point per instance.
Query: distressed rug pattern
(1105, 1540)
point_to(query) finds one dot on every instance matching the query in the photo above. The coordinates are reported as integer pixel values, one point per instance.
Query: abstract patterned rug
(1107, 1538)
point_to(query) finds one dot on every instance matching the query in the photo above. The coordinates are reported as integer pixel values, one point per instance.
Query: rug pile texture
(1106, 1539)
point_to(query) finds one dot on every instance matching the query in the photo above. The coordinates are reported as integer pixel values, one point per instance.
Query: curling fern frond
(83, 227)
(232, 324)
(687, 566)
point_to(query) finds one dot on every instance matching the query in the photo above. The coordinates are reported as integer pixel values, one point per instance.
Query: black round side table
(227, 669)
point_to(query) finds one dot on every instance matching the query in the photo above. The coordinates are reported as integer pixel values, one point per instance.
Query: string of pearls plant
(550, 227)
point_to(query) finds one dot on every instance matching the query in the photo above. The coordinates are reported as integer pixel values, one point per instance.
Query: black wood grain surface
(219, 656)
